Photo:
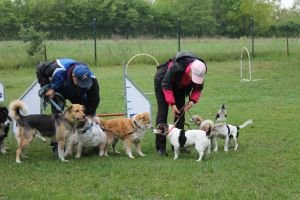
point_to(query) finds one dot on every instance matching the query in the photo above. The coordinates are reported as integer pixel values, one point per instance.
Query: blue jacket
(61, 81)
(60, 74)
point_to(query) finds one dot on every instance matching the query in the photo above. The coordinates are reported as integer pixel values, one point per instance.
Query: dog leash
(174, 125)
(46, 100)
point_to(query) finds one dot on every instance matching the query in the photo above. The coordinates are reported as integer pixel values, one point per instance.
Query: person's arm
(93, 98)
(167, 84)
(194, 97)
(196, 92)
(58, 79)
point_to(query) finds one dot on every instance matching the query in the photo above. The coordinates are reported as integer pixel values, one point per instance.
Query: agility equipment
(135, 99)
(244, 49)
(1, 92)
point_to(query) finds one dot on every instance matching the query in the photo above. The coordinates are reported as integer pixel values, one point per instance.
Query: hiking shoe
(162, 153)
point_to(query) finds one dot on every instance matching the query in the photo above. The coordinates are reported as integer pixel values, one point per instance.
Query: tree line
(82, 19)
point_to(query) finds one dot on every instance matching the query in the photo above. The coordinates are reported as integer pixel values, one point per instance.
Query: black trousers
(163, 107)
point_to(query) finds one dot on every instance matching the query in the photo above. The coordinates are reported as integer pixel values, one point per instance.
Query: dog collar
(87, 128)
(136, 124)
(228, 129)
(169, 131)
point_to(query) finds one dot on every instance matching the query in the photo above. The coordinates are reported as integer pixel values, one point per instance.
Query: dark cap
(83, 75)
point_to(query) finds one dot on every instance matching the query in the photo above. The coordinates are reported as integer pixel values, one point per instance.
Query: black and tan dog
(55, 125)
(4, 127)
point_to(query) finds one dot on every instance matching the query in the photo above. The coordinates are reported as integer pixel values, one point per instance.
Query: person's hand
(50, 93)
(175, 110)
(188, 106)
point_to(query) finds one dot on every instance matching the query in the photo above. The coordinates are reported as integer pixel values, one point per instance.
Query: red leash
(182, 113)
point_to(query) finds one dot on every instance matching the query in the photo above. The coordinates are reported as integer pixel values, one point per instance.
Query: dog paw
(141, 154)
(3, 151)
(63, 160)
(18, 162)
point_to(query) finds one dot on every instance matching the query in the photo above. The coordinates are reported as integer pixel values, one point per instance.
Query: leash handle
(181, 113)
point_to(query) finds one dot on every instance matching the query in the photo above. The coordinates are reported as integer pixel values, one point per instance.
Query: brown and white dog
(203, 124)
(197, 119)
(4, 127)
(129, 130)
(55, 125)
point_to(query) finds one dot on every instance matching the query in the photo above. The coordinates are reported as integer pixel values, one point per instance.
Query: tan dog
(202, 124)
(129, 130)
(197, 119)
(55, 125)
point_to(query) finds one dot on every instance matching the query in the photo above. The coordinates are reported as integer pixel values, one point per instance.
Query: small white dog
(180, 139)
(223, 130)
(89, 134)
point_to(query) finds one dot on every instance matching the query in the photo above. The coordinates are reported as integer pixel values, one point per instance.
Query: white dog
(180, 139)
(89, 134)
(223, 130)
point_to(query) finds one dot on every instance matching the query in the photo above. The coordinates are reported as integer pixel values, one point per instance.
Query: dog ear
(69, 108)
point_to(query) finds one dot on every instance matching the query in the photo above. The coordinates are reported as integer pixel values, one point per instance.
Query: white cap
(198, 69)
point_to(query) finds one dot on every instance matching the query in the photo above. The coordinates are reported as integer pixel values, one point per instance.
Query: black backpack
(44, 71)
(183, 59)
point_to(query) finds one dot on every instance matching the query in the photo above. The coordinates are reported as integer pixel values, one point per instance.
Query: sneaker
(162, 153)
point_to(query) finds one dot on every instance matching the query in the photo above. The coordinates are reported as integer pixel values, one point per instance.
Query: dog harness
(87, 128)
(228, 129)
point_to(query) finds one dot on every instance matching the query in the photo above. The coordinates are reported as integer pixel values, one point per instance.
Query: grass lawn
(266, 166)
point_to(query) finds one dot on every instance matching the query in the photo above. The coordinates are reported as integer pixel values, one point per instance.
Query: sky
(287, 3)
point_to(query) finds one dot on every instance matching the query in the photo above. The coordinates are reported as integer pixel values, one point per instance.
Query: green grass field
(115, 52)
(266, 166)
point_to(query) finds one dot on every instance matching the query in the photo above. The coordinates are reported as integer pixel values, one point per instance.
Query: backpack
(44, 72)
(183, 59)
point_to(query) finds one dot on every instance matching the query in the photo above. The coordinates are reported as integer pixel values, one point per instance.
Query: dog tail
(246, 123)
(206, 125)
(17, 109)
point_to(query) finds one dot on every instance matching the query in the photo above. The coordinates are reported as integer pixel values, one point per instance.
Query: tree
(8, 20)
(36, 39)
